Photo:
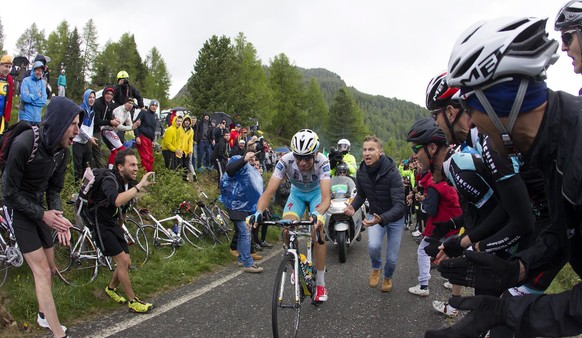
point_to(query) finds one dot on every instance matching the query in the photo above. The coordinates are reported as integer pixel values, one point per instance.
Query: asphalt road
(236, 304)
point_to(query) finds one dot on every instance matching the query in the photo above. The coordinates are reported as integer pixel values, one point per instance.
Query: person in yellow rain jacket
(171, 143)
(187, 147)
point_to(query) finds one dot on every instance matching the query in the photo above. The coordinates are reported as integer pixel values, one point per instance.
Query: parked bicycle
(10, 254)
(168, 239)
(199, 217)
(78, 263)
(295, 278)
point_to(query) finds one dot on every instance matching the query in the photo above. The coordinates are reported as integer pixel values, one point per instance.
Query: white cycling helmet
(304, 142)
(494, 49)
(343, 144)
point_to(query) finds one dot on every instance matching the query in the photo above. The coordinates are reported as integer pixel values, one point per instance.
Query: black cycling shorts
(31, 235)
(112, 242)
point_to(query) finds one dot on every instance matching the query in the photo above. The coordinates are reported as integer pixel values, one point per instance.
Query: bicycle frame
(77, 250)
(170, 235)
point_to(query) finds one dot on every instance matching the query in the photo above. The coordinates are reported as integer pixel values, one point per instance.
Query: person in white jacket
(111, 134)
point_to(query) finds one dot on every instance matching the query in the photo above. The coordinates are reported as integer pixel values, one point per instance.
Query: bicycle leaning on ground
(295, 278)
(10, 254)
(169, 239)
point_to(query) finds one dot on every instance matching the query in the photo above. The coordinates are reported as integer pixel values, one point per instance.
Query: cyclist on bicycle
(309, 173)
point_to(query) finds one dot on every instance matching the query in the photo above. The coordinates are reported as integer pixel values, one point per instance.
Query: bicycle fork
(296, 274)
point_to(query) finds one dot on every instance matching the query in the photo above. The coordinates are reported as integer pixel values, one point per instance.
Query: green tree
(74, 66)
(57, 47)
(129, 60)
(157, 81)
(254, 91)
(288, 95)
(104, 69)
(89, 49)
(346, 119)
(317, 108)
(391, 149)
(213, 85)
(31, 42)
(2, 37)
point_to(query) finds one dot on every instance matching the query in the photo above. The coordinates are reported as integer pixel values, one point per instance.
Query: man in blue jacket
(379, 180)
(32, 95)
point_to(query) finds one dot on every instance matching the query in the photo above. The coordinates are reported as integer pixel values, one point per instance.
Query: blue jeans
(393, 232)
(243, 245)
(204, 151)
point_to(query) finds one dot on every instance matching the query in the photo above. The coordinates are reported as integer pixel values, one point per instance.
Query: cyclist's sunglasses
(416, 148)
(305, 158)
(435, 113)
(568, 37)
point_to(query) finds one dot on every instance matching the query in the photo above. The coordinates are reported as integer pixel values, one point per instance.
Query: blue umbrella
(282, 150)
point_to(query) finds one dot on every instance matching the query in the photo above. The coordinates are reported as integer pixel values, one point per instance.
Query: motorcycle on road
(342, 230)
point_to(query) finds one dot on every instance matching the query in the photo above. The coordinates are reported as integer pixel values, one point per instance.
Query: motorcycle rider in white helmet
(342, 154)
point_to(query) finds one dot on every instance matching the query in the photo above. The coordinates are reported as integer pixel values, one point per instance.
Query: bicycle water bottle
(175, 229)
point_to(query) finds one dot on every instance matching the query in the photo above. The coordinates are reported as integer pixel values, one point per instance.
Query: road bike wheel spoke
(286, 301)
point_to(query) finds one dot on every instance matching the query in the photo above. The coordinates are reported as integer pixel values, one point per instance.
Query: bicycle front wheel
(286, 303)
(139, 249)
(77, 264)
(192, 234)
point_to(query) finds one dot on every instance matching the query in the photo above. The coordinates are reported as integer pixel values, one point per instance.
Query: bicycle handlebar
(288, 222)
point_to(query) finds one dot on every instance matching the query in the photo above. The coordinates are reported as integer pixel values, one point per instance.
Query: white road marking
(175, 303)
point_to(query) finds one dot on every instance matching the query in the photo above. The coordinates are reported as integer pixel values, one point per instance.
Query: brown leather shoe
(387, 285)
(234, 253)
(256, 257)
(374, 278)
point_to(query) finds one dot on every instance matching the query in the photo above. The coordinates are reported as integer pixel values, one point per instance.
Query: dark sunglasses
(568, 37)
(305, 158)
(416, 148)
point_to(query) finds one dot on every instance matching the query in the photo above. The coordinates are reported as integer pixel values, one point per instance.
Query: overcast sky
(390, 48)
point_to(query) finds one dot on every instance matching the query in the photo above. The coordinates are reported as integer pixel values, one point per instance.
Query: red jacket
(448, 207)
(8, 102)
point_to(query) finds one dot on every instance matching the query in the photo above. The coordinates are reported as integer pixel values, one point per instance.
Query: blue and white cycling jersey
(303, 181)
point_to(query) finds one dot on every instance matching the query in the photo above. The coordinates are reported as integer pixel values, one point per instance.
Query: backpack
(92, 181)
(8, 137)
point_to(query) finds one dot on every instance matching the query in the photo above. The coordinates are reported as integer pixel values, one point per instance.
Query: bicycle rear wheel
(4, 264)
(286, 303)
(77, 264)
(139, 250)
